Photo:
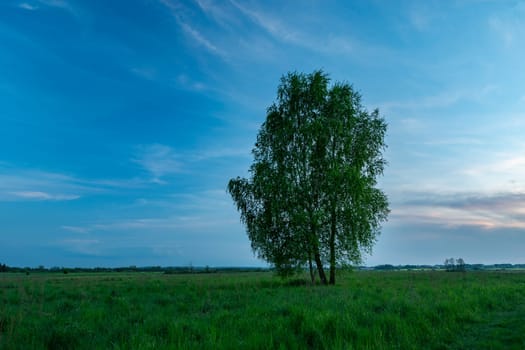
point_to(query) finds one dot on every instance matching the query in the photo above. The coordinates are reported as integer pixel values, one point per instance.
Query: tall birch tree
(312, 197)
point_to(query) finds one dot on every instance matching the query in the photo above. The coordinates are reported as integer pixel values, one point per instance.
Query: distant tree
(312, 196)
(460, 265)
(450, 264)
(3, 268)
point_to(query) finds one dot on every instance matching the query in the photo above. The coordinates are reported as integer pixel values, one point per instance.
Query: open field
(365, 310)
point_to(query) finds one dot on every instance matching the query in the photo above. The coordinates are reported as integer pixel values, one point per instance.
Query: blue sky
(122, 122)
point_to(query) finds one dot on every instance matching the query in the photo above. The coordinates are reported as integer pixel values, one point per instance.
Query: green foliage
(312, 193)
(366, 310)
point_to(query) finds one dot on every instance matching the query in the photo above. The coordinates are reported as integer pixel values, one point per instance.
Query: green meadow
(257, 310)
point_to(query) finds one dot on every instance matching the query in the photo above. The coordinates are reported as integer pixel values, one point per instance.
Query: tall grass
(366, 310)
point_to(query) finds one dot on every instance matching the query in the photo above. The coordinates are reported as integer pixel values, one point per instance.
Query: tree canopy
(312, 197)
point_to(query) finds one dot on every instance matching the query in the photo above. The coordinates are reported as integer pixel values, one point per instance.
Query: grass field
(365, 310)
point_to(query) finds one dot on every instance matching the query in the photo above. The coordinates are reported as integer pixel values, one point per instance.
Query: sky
(121, 123)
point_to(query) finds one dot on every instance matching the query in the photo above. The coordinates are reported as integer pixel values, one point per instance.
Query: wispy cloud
(20, 184)
(308, 36)
(419, 19)
(271, 25)
(213, 201)
(207, 210)
(192, 32)
(465, 166)
(277, 29)
(211, 216)
(83, 246)
(509, 26)
(504, 29)
(200, 39)
(221, 152)
(219, 12)
(159, 160)
(61, 4)
(186, 83)
(508, 178)
(178, 223)
(168, 250)
(147, 73)
(24, 184)
(425, 16)
(455, 141)
(40, 4)
(510, 164)
(27, 6)
(239, 31)
(75, 229)
(440, 100)
(486, 212)
(37, 195)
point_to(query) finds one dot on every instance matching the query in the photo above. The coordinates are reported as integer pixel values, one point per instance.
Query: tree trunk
(312, 272)
(320, 268)
(315, 247)
(332, 246)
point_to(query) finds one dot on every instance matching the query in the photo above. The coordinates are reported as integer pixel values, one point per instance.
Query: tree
(450, 263)
(460, 264)
(311, 197)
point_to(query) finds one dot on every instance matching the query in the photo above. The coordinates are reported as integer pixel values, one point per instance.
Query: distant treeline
(166, 270)
(467, 267)
(207, 269)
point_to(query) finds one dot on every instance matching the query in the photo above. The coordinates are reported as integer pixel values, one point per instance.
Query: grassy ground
(366, 310)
